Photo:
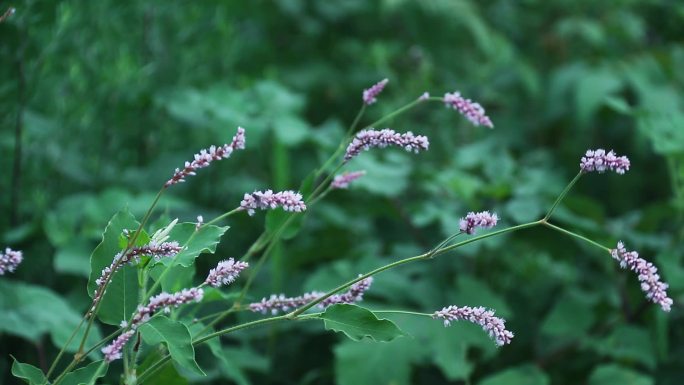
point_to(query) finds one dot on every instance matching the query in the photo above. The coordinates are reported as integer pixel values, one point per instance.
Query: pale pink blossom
(9, 260)
(370, 94)
(494, 326)
(112, 352)
(342, 181)
(225, 272)
(599, 160)
(473, 111)
(367, 139)
(655, 289)
(205, 157)
(473, 220)
(288, 200)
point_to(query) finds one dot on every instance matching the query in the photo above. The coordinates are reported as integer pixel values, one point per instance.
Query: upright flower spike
(288, 200)
(225, 272)
(163, 301)
(342, 181)
(9, 260)
(655, 289)
(278, 302)
(472, 111)
(370, 94)
(205, 157)
(473, 220)
(599, 160)
(494, 326)
(367, 139)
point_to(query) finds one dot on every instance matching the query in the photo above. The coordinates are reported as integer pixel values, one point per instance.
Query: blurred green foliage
(106, 98)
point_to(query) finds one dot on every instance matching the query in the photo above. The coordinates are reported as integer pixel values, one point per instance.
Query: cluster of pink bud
(600, 161)
(343, 180)
(225, 272)
(473, 220)
(424, 96)
(473, 111)
(369, 95)
(276, 303)
(205, 157)
(200, 222)
(656, 291)
(10, 260)
(494, 326)
(367, 139)
(163, 301)
(288, 200)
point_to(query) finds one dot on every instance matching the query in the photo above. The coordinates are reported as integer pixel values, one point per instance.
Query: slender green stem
(223, 216)
(401, 312)
(424, 256)
(570, 233)
(443, 243)
(152, 369)
(562, 195)
(401, 110)
(63, 349)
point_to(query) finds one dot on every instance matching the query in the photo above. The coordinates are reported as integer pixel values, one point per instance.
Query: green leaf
(177, 278)
(177, 338)
(356, 323)
(204, 241)
(571, 316)
(73, 258)
(629, 343)
(29, 373)
(167, 374)
(521, 375)
(30, 311)
(228, 367)
(87, 375)
(615, 374)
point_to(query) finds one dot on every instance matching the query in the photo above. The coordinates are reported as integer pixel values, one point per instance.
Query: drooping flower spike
(599, 160)
(472, 111)
(225, 272)
(494, 326)
(367, 139)
(162, 301)
(370, 94)
(655, 289)
(205, 157)
(472, 221)
(278, 302)
(343, 180)
(288, 200)
(9, 260)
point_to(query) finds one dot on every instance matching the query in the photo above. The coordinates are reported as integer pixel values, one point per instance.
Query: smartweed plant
(136, 287)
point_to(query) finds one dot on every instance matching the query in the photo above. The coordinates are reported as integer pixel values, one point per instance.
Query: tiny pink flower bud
(200, 222)
(288, 200)
(367, 139)
(474, 112)
(10, 260)
(655, 289)
(343, 180)
(474, 220)
(225, 272)
(205, 157)
(112, 352)
(494, 326)
(424, 96)
(369, 95)
(600, 161)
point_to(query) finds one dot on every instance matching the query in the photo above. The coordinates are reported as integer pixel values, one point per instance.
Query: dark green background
(110, 96)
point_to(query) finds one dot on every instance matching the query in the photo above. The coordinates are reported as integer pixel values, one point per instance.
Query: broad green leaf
(30, 311)
(227, 365)
(177, 338)
(87, 375)
(571, 316)
(195, 242)
(366, 362)
(167, 375)
(29, 373)
(627, 343)
(121, 298)
(356, 323)
(615, 374)
(520, 375)
(177, 278)
(386, 177)
(73, 258)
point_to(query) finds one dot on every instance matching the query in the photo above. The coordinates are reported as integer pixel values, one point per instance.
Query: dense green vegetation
(101, 100)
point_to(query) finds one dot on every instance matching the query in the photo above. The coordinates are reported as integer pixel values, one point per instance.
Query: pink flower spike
(367, 139)
(655, 289)
(471, 110)
(494, 326)
(225, 272)
(473, 220)
(205, 157)
(369, 95)
(112, 352)
(600, 161)
(288, 200)
(342, 181)
(10, 260)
